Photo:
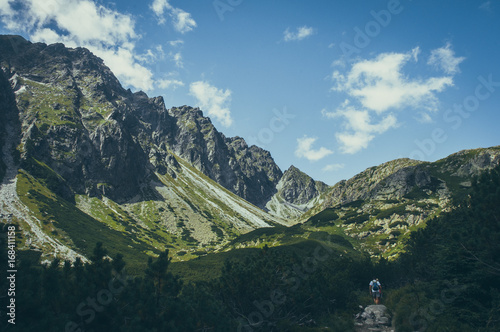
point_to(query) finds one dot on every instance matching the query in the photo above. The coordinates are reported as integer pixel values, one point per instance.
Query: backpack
(375, 286)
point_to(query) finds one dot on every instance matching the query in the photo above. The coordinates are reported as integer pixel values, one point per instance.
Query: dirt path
(12, 207)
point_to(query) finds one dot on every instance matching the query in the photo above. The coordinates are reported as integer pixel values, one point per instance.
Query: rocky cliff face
(297, 187)
(162, 177)
(297, 193)
(103, 139)
(249, 172)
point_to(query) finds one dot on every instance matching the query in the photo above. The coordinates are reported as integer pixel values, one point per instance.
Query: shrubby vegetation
(447, 280)
(272, 289)
(449, 276)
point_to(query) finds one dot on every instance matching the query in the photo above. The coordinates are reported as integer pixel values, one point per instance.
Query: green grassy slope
(77, 230)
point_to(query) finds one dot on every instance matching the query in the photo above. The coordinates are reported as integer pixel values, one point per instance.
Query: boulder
(373, 318)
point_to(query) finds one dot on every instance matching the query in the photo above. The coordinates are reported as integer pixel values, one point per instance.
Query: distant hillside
(380, 206)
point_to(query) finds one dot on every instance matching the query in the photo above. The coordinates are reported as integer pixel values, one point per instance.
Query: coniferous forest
(446, 280)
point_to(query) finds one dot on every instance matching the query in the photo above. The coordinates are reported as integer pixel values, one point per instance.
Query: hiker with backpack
(375, 290)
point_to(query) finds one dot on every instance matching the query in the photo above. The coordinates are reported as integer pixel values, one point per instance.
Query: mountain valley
(88, 157)
(103, 184)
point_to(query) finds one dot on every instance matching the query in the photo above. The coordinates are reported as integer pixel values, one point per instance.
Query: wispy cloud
(444, 58)
(333, 167)
(379, 87)
(304, 149)
(182, 21)
(159, 7)
(151, 55)
(177, 58)
(486, 6)
(176, 43)
(213, 100)
(169, 83)
(176, 55)
(107, 33)
(301, 33)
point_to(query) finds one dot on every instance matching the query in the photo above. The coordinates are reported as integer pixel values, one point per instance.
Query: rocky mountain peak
(297, 187)
(293, 170)
(92, 131)
(297, 193)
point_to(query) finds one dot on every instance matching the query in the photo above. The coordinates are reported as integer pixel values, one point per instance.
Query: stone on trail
(374, 318)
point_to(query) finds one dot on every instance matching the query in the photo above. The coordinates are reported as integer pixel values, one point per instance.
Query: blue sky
(332, 87)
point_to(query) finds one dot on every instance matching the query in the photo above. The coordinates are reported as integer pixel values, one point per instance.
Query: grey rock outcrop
(373, 318)
(298, 188)
(392, 179)
(296, 193)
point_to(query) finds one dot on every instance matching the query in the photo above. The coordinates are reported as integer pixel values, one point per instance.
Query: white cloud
(333, 167)
(181, 20)
(159, 7)
(212, 100)
(360, 120)
(359, 128)
(305, 150)
(5, 8)
(176, 43)
(177, 58)
(169, 83)
(107, 33)
(444, 58)
(339, 63)
(380, 84)
(151, 56)
(147, 57)
(354, 142)
(123, 63)
(302, 33)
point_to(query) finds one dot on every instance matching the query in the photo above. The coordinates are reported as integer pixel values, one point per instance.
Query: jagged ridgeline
(86, 161)
(98, 162)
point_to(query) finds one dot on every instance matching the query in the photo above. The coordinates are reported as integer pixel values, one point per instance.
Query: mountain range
(86, 161)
